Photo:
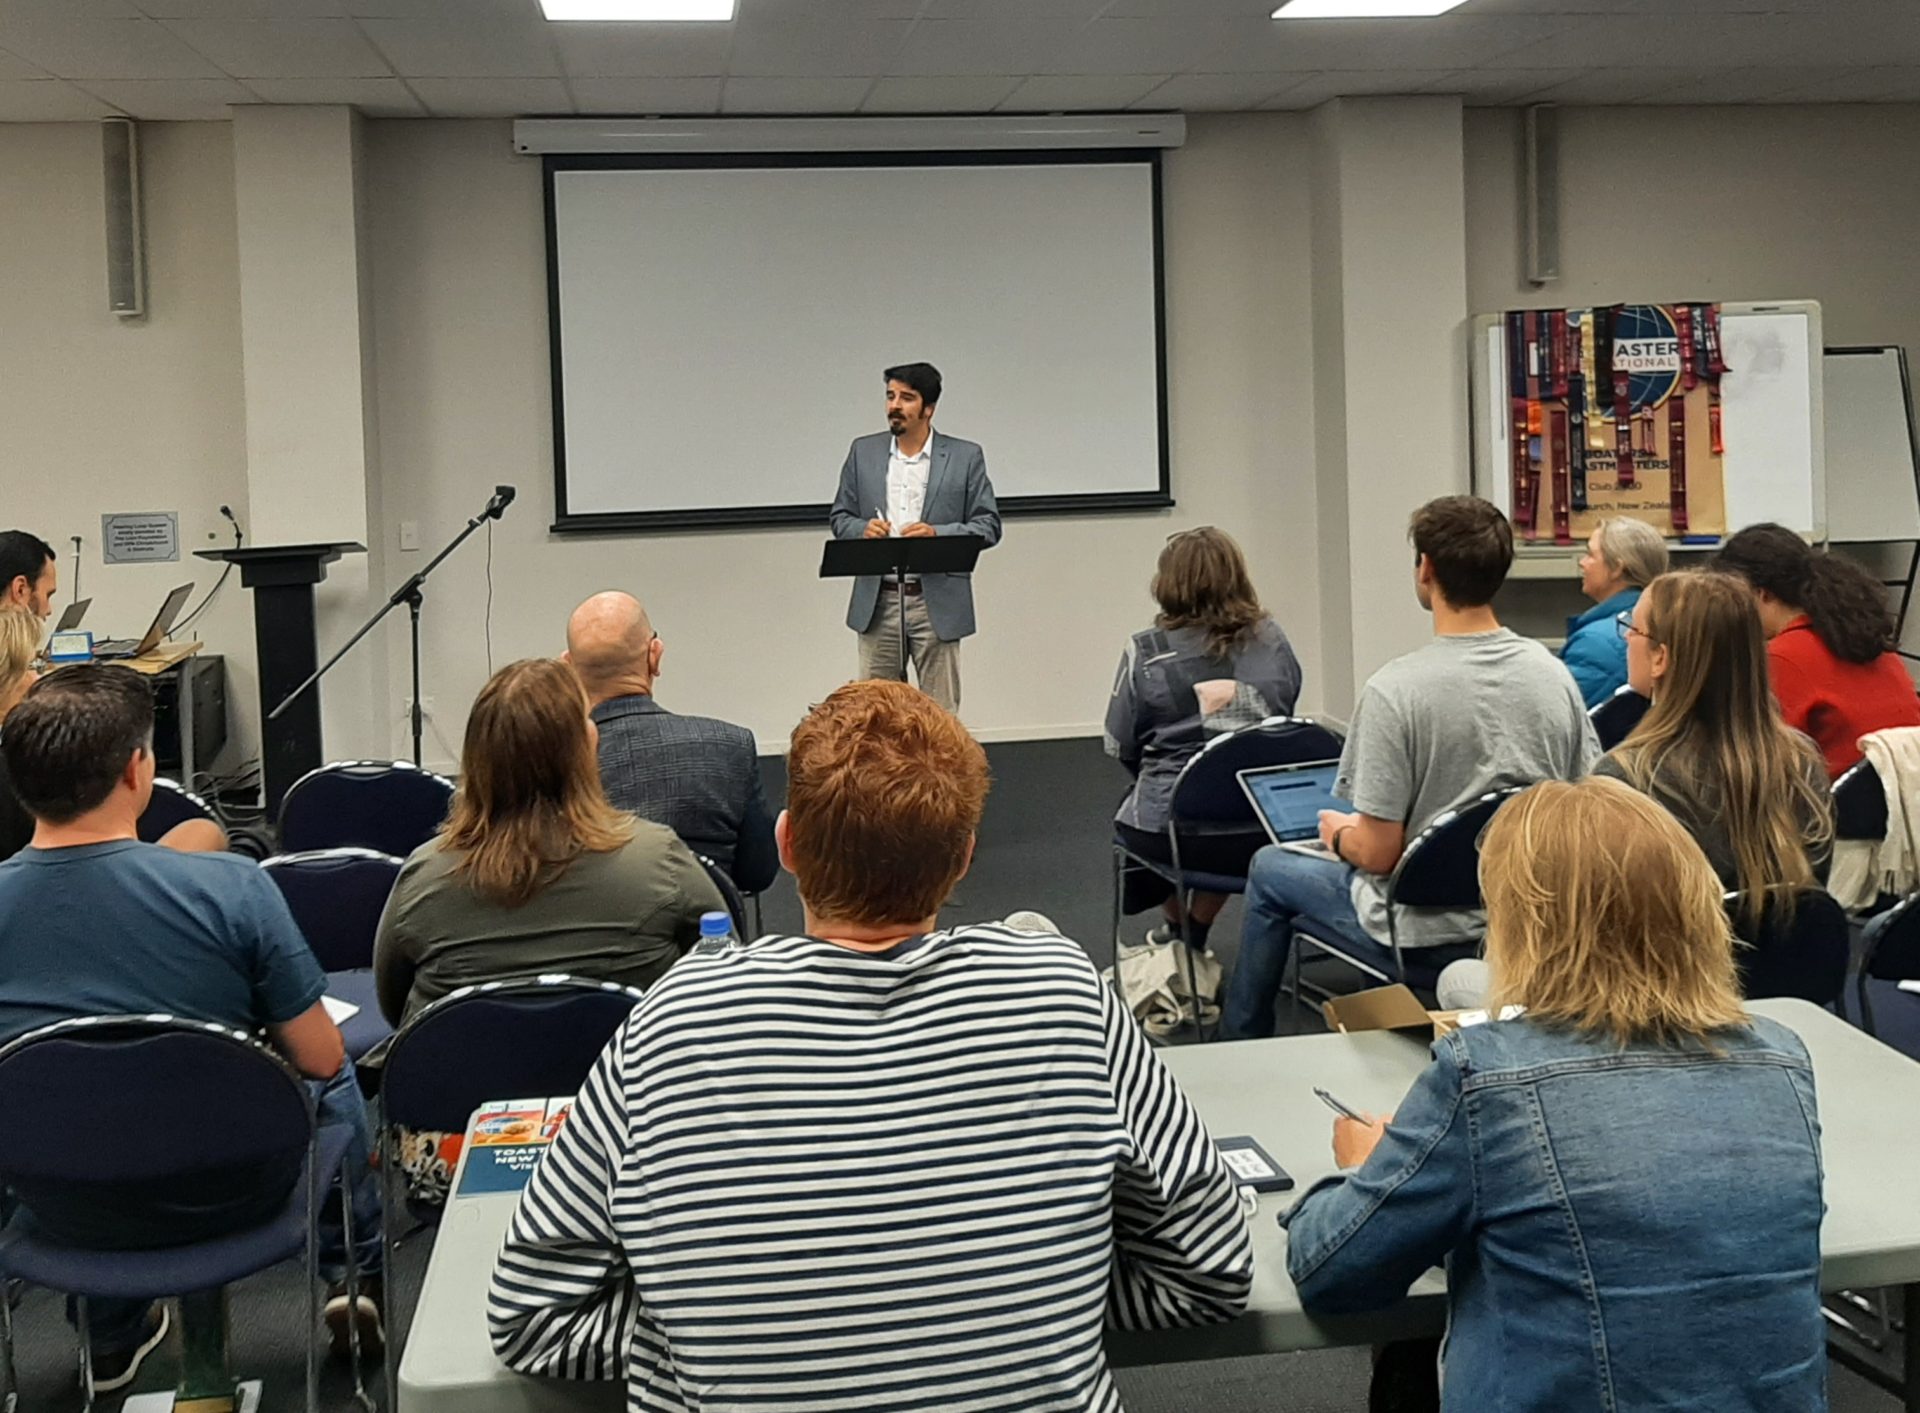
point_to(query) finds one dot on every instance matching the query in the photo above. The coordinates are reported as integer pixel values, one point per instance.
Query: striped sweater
(803, 1177)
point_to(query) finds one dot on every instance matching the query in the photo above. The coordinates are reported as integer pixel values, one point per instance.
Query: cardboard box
(1392, 1008)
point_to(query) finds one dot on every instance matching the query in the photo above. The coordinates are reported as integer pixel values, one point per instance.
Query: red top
(1834, 701)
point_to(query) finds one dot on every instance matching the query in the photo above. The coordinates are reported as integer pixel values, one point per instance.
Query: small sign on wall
(145, 537)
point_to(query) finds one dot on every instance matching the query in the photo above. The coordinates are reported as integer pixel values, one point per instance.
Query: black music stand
(893, 556)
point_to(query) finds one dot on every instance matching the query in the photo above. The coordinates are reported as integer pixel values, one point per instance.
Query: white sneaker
(1027, 920)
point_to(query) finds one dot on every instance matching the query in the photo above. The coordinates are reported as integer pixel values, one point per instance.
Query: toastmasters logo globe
(1646, 345)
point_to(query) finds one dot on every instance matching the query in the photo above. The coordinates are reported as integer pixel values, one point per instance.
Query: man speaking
(911, 480)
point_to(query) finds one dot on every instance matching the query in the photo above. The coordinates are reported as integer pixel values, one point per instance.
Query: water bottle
(716, 930)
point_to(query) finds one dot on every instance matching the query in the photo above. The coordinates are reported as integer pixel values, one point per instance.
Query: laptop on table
(1287, 800)
(162, 625)
(70, 618)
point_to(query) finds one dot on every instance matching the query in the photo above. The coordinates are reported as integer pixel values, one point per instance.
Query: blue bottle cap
(715, 924)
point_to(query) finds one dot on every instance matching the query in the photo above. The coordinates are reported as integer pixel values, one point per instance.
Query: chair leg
(11, 1400)
(1866, 1007)
(353, 1295)
(389, 1205)
(313, 1273)
(86, 1353)
(759, 928)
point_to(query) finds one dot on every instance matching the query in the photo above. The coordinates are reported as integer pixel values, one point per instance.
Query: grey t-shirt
(1441, 726)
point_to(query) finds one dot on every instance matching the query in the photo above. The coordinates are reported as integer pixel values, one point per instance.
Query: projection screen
(719, 327)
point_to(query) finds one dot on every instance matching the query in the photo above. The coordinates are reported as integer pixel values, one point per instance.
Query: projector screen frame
(566, 522)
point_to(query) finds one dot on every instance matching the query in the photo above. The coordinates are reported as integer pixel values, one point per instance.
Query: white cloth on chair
(1864, 869)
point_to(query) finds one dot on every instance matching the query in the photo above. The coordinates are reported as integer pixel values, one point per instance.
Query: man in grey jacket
(914, 482)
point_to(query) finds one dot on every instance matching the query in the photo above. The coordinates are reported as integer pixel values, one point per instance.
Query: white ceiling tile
(171, 100)
(12, 68)
(1456, 41)
(70, 10)
(1003, 10)
(1136, 46)
(1082, 93)
(283, 48)
(825, 11)
(376, 97)
(1314, 89)
(101, 48)
(999, 48)
(644, 96)
(1219, 93)
(936, 93)
(48, 101)
(1875, 85)
(1751, 85)
(787, 49)
(793, 95)
(448, 49)
(492, 97)
(1681, 41)
(243, 9)
(1492, 87)
(621, 51)
(1608, 86)
(1189, 9)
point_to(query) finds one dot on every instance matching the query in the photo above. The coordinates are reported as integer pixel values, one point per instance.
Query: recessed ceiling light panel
(1364, 9)
(638, 10)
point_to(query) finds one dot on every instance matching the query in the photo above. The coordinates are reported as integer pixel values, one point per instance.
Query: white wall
(104, 414)
(752, 633)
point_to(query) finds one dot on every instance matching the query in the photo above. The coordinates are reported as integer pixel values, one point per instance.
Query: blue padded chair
(1890, 955)
(1208, 802)
(1803, 953)
(337, 896)
(171, 805)
(1439, 868)
(1860, 804)
(392, 806)
(730, 895)
(498, 1040)
(1614, 719)
(160, 1102)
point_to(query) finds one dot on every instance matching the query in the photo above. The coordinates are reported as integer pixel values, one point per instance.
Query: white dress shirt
(907, 484)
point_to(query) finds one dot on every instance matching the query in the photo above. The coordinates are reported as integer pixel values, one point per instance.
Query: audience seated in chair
(1830, 641)
(1624, 1183)
(20, 634)
(29, 573)
(698, 776)
(1213, 660)
(95, 923)
(1623, 556)
(865, 1160)
(1478, 709)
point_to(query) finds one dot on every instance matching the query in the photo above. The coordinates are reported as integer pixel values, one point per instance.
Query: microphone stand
(409, 593)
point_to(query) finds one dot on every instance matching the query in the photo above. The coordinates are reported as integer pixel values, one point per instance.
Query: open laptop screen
(1289, 798)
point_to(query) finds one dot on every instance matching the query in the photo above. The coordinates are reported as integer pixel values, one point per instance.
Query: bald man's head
(612, 645)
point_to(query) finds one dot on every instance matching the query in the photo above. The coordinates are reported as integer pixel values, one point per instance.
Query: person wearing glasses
(1214, 660)
(1623, 556)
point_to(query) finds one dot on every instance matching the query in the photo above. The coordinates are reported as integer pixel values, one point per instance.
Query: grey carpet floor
(1043, 845)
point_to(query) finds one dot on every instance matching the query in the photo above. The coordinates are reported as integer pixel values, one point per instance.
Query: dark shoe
(115, 1369)
(365, 1314)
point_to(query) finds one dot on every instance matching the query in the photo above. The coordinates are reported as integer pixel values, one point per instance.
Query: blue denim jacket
(1623, 1229)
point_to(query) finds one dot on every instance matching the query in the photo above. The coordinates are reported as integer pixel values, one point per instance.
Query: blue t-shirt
(127, 929)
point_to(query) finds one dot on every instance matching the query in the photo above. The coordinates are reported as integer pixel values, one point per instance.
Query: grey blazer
(959, 502)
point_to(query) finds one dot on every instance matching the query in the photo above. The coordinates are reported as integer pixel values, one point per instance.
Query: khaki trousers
(935, 663)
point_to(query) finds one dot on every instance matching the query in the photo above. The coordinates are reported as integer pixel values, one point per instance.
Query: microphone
(502, 498)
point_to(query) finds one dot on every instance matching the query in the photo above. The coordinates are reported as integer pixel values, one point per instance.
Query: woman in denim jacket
(1624, 1184)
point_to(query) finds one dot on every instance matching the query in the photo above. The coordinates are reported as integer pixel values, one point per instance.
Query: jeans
(1283, 886)
(116, 1325)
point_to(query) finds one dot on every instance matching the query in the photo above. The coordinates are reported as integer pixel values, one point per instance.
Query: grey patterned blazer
(698, 776)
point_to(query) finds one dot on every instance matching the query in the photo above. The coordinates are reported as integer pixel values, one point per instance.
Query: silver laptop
(1287, 800)
(70, 619)
(161, 626)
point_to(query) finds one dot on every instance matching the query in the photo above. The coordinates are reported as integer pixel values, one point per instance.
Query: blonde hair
(1714, 736)
(19, 646)
(530, 800)
(1633, 549)
(1603, 915)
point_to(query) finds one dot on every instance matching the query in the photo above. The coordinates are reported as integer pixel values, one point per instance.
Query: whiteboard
(1872, 493)
(1770, 397)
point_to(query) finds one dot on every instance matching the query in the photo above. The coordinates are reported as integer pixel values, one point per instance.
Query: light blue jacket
(1595, 653)
(1623, 1230)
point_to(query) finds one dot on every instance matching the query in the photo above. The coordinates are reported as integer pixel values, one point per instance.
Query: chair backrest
(392, 806)
(729, 894)
(526, 1038)
(1614, 719)
(1440, 866)
(1860, 803)
(1803, 953)
(1893, 945)
(337, 896)
(116, 1100)
(170, 806)
(1207, 794)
